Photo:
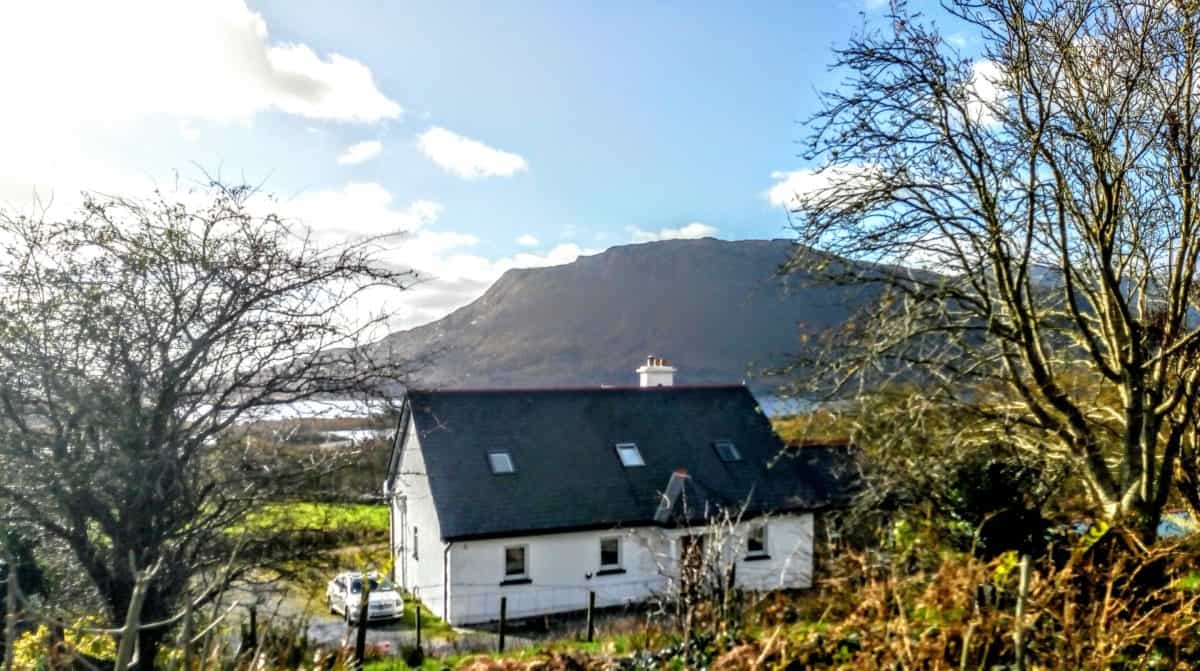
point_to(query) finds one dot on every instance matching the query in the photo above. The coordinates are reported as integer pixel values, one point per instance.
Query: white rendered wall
(559, 566)
(419, 564)
(790, 548)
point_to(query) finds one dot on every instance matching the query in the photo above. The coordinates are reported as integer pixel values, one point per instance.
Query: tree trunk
(1146, 521)
(149, 643)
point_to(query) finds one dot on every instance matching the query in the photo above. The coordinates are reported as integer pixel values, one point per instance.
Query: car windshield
(376, 586)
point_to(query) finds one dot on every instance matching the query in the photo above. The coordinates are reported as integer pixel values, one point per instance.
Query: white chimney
(656, 373)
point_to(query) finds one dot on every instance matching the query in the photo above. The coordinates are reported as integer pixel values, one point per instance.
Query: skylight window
(630, 455)
(727, 450)
(501, 463)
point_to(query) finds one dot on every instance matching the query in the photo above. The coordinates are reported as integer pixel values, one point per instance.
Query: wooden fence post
(591, 620)
(360, 640)
(418, 617)
(1022, 595)
(10, 628)
(251, 642)
(503, 618)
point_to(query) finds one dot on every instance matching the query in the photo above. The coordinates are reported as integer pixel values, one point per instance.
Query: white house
(542, 496)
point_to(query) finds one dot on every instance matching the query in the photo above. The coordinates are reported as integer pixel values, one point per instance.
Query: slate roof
(569, 477)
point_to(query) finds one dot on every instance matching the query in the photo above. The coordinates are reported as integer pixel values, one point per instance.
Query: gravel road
(325, 628)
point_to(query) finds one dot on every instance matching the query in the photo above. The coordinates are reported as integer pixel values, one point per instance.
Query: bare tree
(135, 339)
(1045, 188)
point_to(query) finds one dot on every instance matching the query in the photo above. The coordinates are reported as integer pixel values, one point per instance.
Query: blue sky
(493, 134)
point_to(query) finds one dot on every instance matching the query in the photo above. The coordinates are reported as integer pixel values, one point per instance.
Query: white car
(344, 596)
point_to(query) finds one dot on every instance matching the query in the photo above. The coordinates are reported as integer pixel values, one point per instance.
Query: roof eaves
(676, 523)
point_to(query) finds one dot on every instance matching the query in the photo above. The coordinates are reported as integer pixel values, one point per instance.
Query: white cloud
(467, 158)
(843, 184)
(83, 79)
(357, 210)
(690, 231)
(559, 255)
(957, 40)
(793, 187)
(528, 240)
(188, 131)
(984, 92)
(125, 60)
(455, 279)
(451, 275)
(360, 152)
(873, 5)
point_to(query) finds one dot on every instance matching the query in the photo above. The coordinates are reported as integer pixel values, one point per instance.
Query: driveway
(276, 604)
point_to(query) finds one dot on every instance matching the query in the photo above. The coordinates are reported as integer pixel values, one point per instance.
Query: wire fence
(392, 638)
(480, 603)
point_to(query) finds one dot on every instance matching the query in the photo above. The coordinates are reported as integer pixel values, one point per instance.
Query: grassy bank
(323, 525)
(367, 519)
(540, 656)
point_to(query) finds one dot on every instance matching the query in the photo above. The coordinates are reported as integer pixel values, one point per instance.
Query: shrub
(33, 648)
(412, 655)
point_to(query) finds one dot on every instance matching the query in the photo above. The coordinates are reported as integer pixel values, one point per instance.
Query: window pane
(610, 552)
(501, 462)
(630, 456)
(514, 560)
(756, 543)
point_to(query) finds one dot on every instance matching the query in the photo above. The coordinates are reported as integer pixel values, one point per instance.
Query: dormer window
(630, 455)
(501, 462)
(727, 450)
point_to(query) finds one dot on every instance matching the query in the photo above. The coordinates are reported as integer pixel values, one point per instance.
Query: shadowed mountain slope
(713, 308)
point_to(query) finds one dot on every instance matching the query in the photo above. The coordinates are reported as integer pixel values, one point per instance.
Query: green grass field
(365, 520)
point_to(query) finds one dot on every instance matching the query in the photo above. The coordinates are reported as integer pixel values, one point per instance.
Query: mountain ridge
(717, 309)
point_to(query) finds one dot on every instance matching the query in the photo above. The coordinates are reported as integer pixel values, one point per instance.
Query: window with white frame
(756, 541)
(516, 565)
(630, 455)
(610, 553)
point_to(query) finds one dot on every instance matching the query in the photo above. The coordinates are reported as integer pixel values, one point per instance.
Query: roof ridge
(501, 390)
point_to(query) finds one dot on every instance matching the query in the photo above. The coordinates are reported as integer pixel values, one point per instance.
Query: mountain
(715, 309)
